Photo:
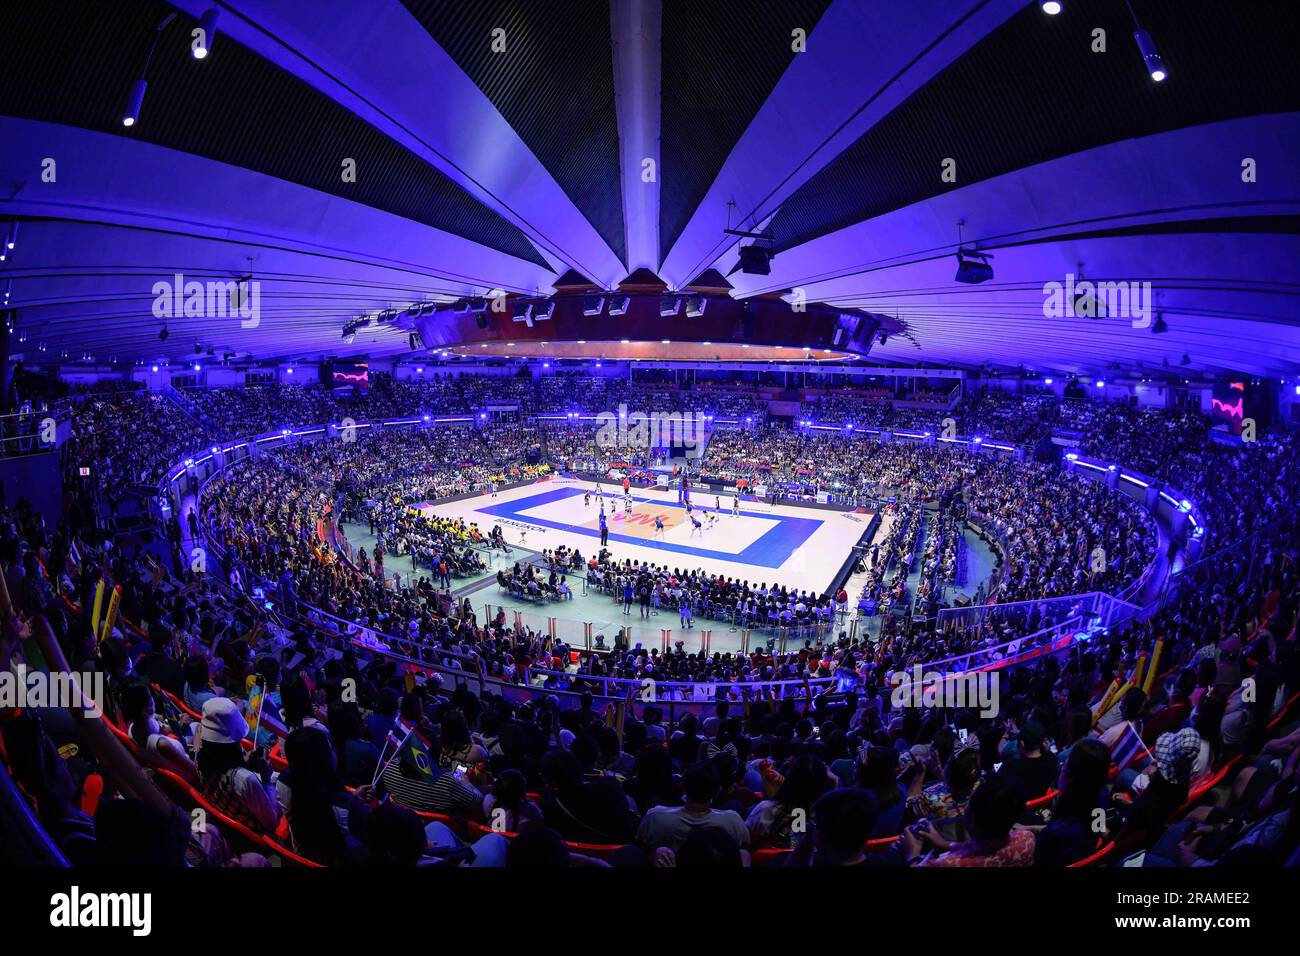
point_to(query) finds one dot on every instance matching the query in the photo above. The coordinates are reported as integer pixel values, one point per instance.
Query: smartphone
(962, 734)
(462, 768)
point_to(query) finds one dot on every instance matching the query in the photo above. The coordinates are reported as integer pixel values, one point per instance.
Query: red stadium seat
(1096, 857)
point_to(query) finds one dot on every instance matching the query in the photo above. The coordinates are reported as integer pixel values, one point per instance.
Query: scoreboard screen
(1236, 399)
(349, 376)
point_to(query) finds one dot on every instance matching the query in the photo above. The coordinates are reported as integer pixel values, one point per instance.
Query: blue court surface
(771, 549)
(801, 547)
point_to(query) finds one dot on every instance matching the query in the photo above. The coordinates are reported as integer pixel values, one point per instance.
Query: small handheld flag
(1128, 748)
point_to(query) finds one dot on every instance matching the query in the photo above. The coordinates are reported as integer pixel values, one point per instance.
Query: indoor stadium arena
(626, 435)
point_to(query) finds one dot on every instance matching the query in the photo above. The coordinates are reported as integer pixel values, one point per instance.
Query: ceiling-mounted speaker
(416, 342)
(481, 320)
(973, 267)
(756, 260)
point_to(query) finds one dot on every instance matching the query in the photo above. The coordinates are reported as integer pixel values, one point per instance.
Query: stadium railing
(651, 691)
(24, 433)
(1075, 616)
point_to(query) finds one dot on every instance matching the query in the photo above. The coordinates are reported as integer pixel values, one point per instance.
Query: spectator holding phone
(945, 802)
(990, 817)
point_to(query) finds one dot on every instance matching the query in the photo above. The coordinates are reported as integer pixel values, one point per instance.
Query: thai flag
(1128, 748)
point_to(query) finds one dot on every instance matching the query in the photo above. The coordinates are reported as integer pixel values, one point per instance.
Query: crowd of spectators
(1051, 523)
(688, 594)
(197, 655)
(530, 581)
(128, 438)
(793, 779)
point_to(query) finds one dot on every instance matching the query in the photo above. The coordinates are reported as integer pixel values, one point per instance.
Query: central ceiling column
(634, 27)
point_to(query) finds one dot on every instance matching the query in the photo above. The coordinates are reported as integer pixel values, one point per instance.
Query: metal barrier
(648, 690)
(1043, 612)
(31, 432)
(572, 632)
(1062, 621)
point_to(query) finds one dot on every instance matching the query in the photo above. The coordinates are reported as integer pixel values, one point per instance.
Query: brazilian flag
(415, 757)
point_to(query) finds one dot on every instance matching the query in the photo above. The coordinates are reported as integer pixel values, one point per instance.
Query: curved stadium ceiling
(481, 170)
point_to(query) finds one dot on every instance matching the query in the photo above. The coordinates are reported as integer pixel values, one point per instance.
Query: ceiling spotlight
(136, 99)
(1050, 7)
(13, 235)
(204, 34)
(1150, 55)
(695, 306)
(134, 102)
(1159, 325)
